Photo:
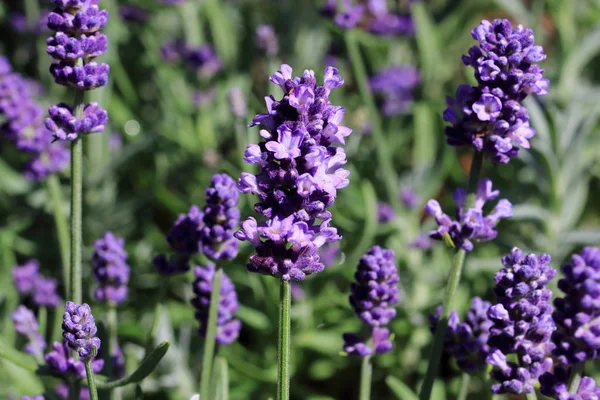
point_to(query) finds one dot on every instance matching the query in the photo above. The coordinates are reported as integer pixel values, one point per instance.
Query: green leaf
(427, 42)
(588, 48)
(582, 236)
(220, 379)
(146, 367)
(425, 136)
(400, 389)
(253, 318)
(18, 358)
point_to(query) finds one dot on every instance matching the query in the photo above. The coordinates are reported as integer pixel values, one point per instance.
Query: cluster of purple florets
(228, 328)
(370, 15)
(111, 269)
(79, 329)
(470, 225)
(61, 363)
(29, 281)
(300, 173)
(75, 45)
(23, 125)
(577, 313)
(490, 116)
(522, 322)
(209, 231)
(396, 85)
(466, 341)
(203, 60)
(26, 324)
(374, 295)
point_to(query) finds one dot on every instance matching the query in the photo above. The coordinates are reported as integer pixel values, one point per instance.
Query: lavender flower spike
(522, 322)
(301, 171)
(111, 269)
(61, 363)
(490, 116)
(373, 298)
(467, 341)
(79, 329)
(470, 225)
(228, 328)
(577, 314)
(26, 324)
(26, 275)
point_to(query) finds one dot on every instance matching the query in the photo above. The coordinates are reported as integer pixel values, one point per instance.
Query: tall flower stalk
(300, 173)
(76, 42)
(491, 118)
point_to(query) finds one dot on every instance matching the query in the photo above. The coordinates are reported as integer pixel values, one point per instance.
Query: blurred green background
(170, 147)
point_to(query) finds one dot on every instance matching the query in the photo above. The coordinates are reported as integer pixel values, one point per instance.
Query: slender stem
(74, 389)
(366, 373)
(111, 321)
(90, 378)
(531, 396)
(62, 231)
(211, 333)
(576, 377)
(283, 355)
(451, 289)
(464, 386)
(76, 206)
(384, 156)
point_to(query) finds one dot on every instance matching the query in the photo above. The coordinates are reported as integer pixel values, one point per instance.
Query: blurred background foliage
(160, 151)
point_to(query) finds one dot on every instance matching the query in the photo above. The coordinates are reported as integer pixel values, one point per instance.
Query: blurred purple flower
(266, 39)
(110, 269)
(396, 84)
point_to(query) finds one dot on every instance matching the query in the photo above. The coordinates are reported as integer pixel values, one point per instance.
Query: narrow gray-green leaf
(220, 379)
(400, 389)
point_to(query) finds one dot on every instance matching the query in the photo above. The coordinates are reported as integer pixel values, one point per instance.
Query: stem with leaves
(451, 289)
(211, 333)
(90, 376)
(366, 373)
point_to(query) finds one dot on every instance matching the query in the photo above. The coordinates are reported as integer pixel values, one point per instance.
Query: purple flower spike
(521, 322)
(220, 218)
(554, 385)
(490, 116)
(396, 84)
(52, 160)
(44, 294)
(371, 15)
(373, 298)
(111, 269)
(266, 40)
(301, 171)
(64, 126)
(385, 213)
(577, 314)
(467, 341)
(68, 49)
(186, 234)
(470, 225)
(88, 77)
(60, 363)
(25, 276)
(79, 329)
(26, 324)
(228, 328)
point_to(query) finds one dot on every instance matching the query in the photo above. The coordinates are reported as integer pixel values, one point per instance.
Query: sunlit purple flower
(79, 329)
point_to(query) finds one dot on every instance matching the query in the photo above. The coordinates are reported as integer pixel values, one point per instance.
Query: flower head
(79, 329)
(470, 225)
(26, 324)
(228, 328)
(370, 15)
(61, 363)
(301, 171)
(396, 84)
(521, 322)
(490, 116)
(111, 269)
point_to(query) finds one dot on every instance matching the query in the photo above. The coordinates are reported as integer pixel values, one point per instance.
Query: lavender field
(299, 199)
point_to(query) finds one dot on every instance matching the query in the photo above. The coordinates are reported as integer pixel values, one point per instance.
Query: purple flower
(220, 217)
(68, 49)
(19, 23)
(470, 225)
(422, 242)
(371, 15)
(186, 234)
(25, 276)
(60, 362)
(373, 298)
(52, 160)
(521, 322)
(203, 60)
(133, 13)
(44, 293)
(26, 324)
(490, 116)
(301, 171)
(408, 198)
(110, 269)
(396, 84)
(36, 397)
(87, 77)
(65, 126)
(577, 313)
(554, 384)
(174, 265)
(467, 341)
(385, 213)
(79, 329)
(329, 253)
(62, 391)
(266, 39)
(228, 328)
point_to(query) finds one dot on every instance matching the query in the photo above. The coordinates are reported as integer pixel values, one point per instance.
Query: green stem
(451, 289)
(283, 355)
(90, 378)
(111, 321)
(62, 231)
(531, 396)
(366, 373)
(76, 206)
(384, 155)
(464, 386)
(211, 333)
(43, 321)
(575, 377)
(74, 389)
